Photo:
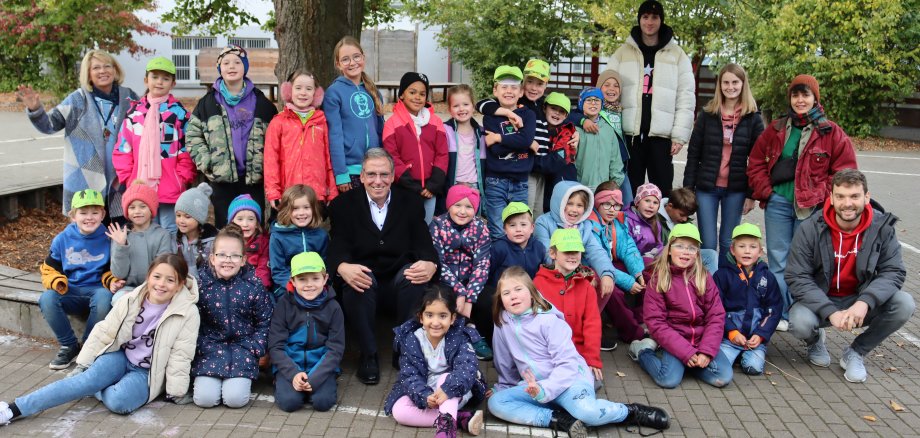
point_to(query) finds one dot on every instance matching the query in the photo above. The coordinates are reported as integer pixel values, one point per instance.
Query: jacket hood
(507, 317)
(330, 296)
(665, 34)
(561, 194)
(583, 272)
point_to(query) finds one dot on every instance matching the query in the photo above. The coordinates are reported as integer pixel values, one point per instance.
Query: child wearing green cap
(560, 164)
(151, 142)
(306, 340)
(752, 300)
(76, 275)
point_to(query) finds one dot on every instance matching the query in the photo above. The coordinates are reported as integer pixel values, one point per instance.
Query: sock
(15, 410)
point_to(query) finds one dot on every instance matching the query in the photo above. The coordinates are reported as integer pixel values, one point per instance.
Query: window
(183, 67)
(251, 43)
(185, 56)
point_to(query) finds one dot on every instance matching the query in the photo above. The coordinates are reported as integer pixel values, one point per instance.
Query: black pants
(482, 313)
(652, 155)
(361, 307)
(225, 192)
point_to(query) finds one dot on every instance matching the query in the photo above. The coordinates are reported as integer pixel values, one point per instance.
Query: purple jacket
(641, 231)
(541, 342)
(682, 322)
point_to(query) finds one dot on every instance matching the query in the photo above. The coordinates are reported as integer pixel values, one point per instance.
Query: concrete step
(19, 310)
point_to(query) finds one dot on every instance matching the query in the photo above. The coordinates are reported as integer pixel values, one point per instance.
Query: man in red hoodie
(845, 271)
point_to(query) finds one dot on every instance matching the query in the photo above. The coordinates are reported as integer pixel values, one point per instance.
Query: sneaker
(562, 421)
(647, 416)
(470, 422)
(483, 352)
(608, 343)
(852, 362)
(636, 347)
(783, 326)
(6, 414)
(446, 427)
(817, 352)
(65, 357)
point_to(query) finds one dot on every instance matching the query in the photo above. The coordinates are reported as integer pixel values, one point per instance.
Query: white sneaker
(6, 414)
(636, 347)
(852, 362)
(783, 326)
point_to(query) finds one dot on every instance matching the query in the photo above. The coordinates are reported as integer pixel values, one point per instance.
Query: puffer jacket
(681, 321)
(298, 153)
(210, 143)
(704, 153)
(173, 345)
(420, 159)
(235, 317)
(647, 241)
(576, 298)
(752, 301)
(463, 367)
(464, 254)
(673, 86)
(308, 340)
(621, 247)
(598, 158)
(178, 170)
(821, 157)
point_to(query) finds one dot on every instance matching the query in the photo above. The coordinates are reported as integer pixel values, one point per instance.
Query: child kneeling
(307, 338)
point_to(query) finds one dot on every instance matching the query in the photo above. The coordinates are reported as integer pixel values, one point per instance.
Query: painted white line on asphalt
(890, 173)
(909, 337)
(29, 163)
(53, 148)
(19, 140)
(886, 156)
(912, 248)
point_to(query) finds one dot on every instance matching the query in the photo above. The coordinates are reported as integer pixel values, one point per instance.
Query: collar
(373, 203)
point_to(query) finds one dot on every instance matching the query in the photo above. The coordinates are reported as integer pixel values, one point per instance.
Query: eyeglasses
(98, 68)
(235, 258)
(353, 60)
(610, 206)
(375, 175)
(592, 101)
(686, 248)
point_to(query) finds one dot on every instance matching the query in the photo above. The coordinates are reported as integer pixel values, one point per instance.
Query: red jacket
(423, 156)
(298, 153)
(822, 157)
(577, 300)
(257, 256)
(683, 322)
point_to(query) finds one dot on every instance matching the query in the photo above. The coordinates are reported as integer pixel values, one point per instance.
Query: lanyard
(106, 132)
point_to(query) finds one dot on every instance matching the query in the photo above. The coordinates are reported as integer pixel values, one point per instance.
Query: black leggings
(652, 155)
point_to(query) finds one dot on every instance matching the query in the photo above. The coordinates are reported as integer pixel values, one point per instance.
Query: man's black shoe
(368, 370)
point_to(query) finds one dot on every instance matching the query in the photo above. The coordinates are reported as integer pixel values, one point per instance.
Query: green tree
(864, 53)
(56, 34)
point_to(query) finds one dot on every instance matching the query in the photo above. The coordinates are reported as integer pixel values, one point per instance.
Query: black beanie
(410, 78)
(650, 7)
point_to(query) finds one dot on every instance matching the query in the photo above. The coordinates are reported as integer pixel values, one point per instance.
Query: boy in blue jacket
(752, 301)
(306, 340)
(510, 148)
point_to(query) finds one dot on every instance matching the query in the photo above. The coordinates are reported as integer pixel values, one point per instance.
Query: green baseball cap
(567, 240)
(537, 68)
(514, 208)
(306, 262)
(747, 229)
(163, 64)
(86, 198)
(559, 100)
(508, 72)
(689, 231)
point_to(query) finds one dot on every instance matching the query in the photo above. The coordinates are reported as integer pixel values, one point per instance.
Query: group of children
(202, 309)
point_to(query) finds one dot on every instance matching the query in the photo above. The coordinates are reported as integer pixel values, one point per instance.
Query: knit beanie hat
(242, 203)
(650, 7)
(140, 191)
(195, 202)
(808, 81)
(235, 50)
(410, 78)
(612, 196)
(589, 92)
(460, 191)
(607, 74)
(646, 190)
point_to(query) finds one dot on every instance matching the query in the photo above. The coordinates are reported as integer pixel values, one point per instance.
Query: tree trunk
(307, 31)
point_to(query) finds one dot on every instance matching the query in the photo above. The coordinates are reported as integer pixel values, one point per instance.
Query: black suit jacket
(355, 238)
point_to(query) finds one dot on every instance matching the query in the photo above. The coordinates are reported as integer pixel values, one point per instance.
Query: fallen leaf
(869, 418)
(891, 369)
(769, 373)
(621, 374)
(899, 344)
(895, 406)
(772, 382)
(879, 355)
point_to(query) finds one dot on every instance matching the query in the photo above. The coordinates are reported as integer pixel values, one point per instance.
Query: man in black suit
(379, 245)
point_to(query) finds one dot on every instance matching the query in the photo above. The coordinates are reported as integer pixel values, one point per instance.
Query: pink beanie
(139, 190)
(460, 191)
(646, 190)
(615, 196)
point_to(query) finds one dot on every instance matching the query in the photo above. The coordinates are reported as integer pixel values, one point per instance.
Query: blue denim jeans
(514, 405)
(210, 391)
(117, 383)
(667, 371)
(780, 224)
(166, 217)
(710, 260)
(499, 192)
(707, 213)
(429, 204)
(77, 301)
(626, 188)
(752, 361)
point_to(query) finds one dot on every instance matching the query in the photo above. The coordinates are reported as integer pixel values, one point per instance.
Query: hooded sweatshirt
(308, 336)
(576, 297)
(354, 126)
(846, 246)
(595, 256)
(285, 242)
(131, 261)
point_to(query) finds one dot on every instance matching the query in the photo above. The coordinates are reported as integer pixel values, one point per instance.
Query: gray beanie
(195, 202)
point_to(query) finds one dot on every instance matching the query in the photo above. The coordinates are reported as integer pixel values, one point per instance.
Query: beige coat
(173, 345)
(673, 85)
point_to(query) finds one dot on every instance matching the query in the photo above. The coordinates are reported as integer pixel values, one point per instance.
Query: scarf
(230, 98)
(241, 115)
(814, 116)
(111, 97)
(422, 119)
(614, 107)
(149, 168)
(313, 304)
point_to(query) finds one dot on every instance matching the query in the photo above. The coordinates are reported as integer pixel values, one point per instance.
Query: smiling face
(414, 97)
(159, 83)
(302, 91)
(746, 250)
(232, 69)
(227, 257)
(611, 90)
(187, 225)
(575, 207)
(802, 101)
(377, 176)
(555, 115)
(461, 107)
(88, 218)
(650, 24)
(247, 221)
(507, 94)
(566, 262)
(436, 319)
(731, 86)
(683, 252)
(350, 61)
(162, 284)
(534, 88)
(519, 228)
(849, 202)
(301, 212)
(592, 107)
(515, 296)
(101, 73)
(139, 214)
(309, 285)
(648, 207)
(462, 212)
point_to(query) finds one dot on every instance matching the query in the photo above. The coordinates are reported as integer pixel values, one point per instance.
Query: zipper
(517, 337)
(692, 310)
